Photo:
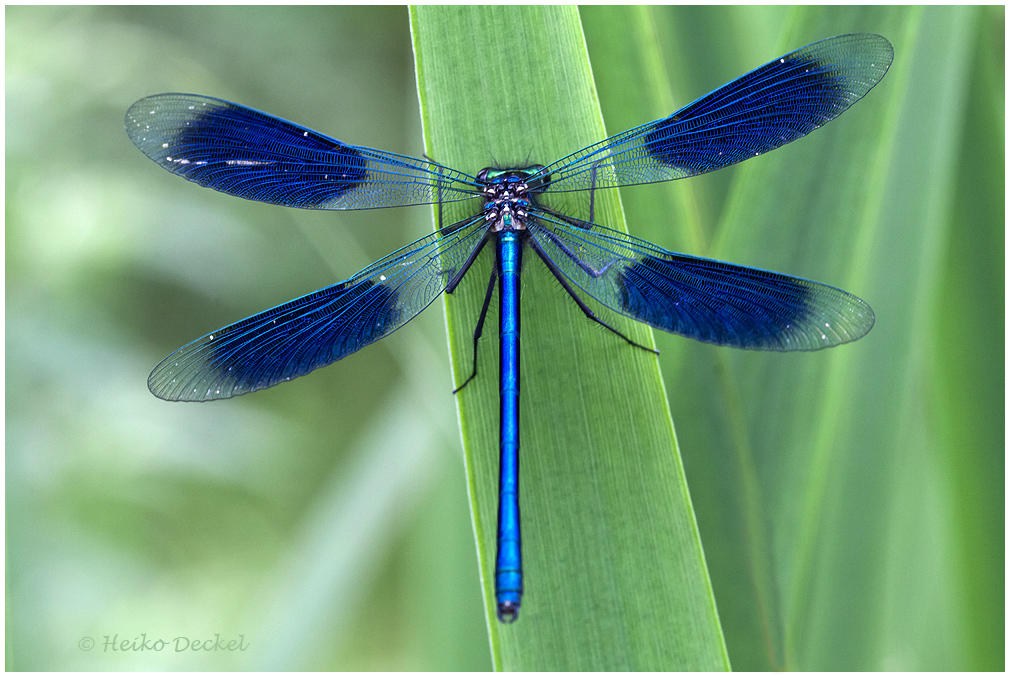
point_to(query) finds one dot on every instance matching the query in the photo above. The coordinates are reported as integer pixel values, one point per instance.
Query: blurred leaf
(129, 515)
(824, 496)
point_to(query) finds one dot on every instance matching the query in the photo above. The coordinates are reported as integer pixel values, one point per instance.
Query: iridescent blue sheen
(243, 152)
(508, 567)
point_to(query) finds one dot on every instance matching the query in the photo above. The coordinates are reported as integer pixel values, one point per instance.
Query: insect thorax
(510, 193)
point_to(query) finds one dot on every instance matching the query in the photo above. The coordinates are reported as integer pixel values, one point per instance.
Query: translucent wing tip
(858, 60)
(148, 119)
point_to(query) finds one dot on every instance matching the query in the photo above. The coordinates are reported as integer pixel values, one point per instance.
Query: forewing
(758, 112)
(703, 299)
(243, 152)
(312, 331)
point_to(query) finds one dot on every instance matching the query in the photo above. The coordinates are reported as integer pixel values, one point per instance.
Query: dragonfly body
(253, 155)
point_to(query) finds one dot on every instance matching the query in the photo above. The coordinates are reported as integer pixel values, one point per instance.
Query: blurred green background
(326, 521)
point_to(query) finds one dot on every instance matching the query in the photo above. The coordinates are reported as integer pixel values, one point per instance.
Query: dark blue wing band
(243, 152)
(297, 337)
(703, 299)
(758, 112)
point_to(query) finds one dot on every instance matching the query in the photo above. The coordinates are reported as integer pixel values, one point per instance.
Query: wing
(243, 152)
(312, 331)
(758, 112)
(703, 299)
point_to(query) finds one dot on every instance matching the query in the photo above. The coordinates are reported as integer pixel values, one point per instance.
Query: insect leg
(571, 292)
(480, 327)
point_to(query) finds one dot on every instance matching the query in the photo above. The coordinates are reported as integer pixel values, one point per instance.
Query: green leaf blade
(615, 576)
